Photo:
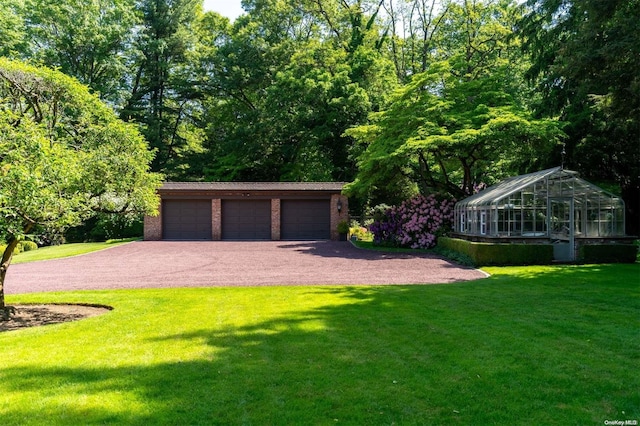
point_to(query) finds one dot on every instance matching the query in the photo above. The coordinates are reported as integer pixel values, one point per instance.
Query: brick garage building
(248, 211)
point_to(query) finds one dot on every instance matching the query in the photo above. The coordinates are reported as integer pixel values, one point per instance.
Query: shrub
(361, 233)
(377, 213)
(343, 227)
(28, 246)
(416, 223)
(17, 250)
(105, 226)
(485, 254)
(608, 253)
(455, 256)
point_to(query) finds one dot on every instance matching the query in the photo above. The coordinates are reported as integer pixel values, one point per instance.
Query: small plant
(343, 227)
(28, 246)
(361, 233)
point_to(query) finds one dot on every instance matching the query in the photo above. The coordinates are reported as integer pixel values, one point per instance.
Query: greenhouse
(553, 205)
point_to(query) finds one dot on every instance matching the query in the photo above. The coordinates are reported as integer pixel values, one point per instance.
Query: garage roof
(253, 186)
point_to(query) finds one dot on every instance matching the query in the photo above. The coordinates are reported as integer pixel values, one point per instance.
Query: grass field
(531, 345)
(65, 250)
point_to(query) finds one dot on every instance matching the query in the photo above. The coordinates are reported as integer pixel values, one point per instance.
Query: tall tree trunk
(4, 266)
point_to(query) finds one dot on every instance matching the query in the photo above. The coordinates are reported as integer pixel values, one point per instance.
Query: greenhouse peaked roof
(514, 184)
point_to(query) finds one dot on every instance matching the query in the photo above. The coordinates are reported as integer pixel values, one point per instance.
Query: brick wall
(153, 227)
(337, 217)
(275, 219)
(216, 219)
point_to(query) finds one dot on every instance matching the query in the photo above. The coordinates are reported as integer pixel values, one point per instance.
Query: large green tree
(89, 40)
(585, 62)
(12, 27)
(446, 135)
(413, 29)
(287, 79)
(64, 155)
(162, 93)
(462, 122)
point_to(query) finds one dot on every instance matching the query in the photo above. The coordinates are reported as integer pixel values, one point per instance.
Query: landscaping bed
(44, 314)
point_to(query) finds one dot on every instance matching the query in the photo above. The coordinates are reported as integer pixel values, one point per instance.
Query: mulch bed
(38, 315)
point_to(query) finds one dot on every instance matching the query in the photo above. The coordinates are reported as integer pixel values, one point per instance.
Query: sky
(229, 8)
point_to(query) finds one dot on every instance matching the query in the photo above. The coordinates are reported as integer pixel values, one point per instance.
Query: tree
(88, 40)
(63, 156)
(285, 82)
(585, 60)
(447, 135)
(463, 121)
(162, 94)
(12, 28)
(414, 26)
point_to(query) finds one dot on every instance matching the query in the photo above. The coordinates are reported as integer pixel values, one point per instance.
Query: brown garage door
(305, 219)
(246, 219)
(186, 219)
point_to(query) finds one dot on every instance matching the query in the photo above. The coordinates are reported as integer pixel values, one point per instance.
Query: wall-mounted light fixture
(339, 205)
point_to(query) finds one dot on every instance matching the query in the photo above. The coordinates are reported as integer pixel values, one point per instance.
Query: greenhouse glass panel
(553, 203)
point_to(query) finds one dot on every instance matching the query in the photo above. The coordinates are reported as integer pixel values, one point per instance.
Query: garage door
(246, 219)
(186, 219)
(305, 219)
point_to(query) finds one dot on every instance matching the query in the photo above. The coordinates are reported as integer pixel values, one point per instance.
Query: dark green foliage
(63, 157)
(608, 253)
(88, 40)
(280, 95)
(343, 227)
(103, 227)
(455, 256)
(162, 94)
(484, 254)
(28, 246)
(399, 97)
(585, 60)
(462, 121)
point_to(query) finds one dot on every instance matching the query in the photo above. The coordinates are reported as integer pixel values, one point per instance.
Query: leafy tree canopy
(89, 40)
(12, 27)
(585, 60)
(64, 155)
(464, 120)
(445, 134)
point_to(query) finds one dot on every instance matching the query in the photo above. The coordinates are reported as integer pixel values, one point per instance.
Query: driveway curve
(164, 264)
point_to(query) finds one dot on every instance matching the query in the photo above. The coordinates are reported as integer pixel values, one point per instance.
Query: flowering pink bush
(416, 223)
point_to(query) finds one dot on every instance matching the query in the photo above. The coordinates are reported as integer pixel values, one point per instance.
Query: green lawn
(65, 250)
(536, 345)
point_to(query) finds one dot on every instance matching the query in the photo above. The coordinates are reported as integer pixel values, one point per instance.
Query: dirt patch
(38, 315)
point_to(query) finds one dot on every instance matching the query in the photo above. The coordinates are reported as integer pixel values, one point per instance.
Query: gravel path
(162, 264)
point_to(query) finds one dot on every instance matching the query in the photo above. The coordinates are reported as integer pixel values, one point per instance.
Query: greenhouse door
(562, 226)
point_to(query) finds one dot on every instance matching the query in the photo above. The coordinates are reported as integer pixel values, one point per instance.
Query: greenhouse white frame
(554, 204)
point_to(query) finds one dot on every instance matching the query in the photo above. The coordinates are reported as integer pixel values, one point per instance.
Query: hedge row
(484, 254)
(608, 253)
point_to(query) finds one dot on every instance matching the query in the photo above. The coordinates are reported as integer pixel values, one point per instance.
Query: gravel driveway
(161, 264)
